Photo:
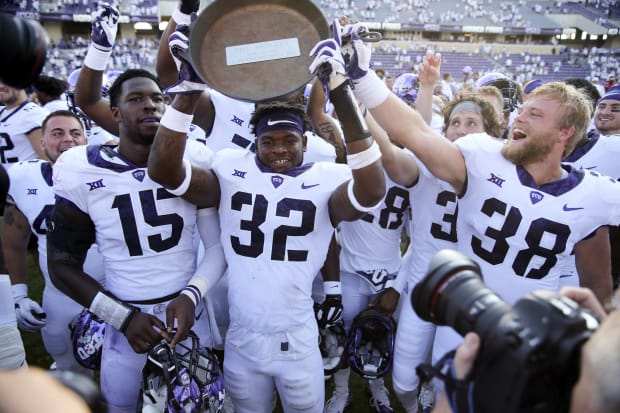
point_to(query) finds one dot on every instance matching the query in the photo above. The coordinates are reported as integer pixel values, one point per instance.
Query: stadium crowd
(174, 224)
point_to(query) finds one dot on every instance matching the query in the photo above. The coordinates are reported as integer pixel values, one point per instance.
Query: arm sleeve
(213, 265)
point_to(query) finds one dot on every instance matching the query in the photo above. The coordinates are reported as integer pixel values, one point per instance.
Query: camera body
(530, 353)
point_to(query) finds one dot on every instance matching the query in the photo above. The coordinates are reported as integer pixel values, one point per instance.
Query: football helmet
(333, 343)
(406, 87)
(87, 332)
(70, 94)
(370, 345)
(509, 88)
(109, 78)
(184, 379)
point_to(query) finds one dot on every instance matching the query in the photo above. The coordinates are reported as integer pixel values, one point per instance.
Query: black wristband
(134, 311)
(351, 118)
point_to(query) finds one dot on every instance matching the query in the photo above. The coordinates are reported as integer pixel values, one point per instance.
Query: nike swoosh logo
(199, 314)
(276, 122)
(304, 186)
(567, 208)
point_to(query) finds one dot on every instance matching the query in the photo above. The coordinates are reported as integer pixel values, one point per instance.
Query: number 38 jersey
(518, 231)
(275, 231)
(144, 233)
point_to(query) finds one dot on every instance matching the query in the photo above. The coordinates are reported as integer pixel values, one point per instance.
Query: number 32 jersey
(144, 233)
(518, 231)
(275, 231)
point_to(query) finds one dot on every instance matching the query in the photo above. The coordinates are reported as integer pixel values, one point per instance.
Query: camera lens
(453, 294)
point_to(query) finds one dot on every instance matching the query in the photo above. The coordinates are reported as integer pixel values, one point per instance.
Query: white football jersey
(434, 209)
(144, 233)
(518, 231)
(600, 153)
(96, 135)
(32, 193)
(276, 231)
(231, 127)
(15, 125)
(370, 246)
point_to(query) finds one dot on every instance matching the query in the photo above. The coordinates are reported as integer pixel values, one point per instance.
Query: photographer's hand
(464, 359)
(466, 354)
(585, 298)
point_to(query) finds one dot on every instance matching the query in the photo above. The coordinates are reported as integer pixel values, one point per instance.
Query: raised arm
(366, 189)
(166, 165)
(167, 69)
(88, 87)
(402, 123)
(326, 126)
(400, 167)
(428, 78)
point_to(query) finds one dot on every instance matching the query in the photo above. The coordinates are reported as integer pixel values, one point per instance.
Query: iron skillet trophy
(256, 50)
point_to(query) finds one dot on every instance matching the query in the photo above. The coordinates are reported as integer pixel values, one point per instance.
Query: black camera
(24, 45)
(530, 353)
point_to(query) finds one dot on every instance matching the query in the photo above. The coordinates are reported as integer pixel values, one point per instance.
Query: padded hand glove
(105, 26)
(189, 81)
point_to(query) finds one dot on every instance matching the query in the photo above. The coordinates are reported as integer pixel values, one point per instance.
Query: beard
(530, 151)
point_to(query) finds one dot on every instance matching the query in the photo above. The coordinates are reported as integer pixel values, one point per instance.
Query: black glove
(330, 311)
(189, 6)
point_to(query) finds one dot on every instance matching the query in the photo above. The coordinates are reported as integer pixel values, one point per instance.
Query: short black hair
(264, 109)
(115, 89)
(586, 87)
(50, 85)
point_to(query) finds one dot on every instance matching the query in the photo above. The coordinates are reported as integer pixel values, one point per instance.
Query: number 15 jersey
(144, 233)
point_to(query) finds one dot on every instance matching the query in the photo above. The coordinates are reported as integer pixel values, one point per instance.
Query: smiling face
(607, 117)
(281, 149)
(534, 132)
(61, 133)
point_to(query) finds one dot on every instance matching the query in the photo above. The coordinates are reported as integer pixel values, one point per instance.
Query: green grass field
(37, 356)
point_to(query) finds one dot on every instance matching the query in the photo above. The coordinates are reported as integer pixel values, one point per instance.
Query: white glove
(189, 81)
(356, 52)
(30, 315)
(327, 57)
(105, 26)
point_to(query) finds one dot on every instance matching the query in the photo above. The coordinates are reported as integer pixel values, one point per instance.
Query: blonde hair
(575, 109)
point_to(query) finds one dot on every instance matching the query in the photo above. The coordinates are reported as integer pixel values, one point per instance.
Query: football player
(277, 215)
(29, 205)
(520, 210)
(433, 227)
(20, 127)
(12, 353)
(103, 191)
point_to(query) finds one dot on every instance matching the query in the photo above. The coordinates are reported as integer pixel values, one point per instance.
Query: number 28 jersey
(518, 231)
(144, 233)
(275, 231)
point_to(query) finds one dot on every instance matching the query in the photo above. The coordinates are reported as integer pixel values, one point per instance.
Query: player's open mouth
(518, 134)
(280, 162)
